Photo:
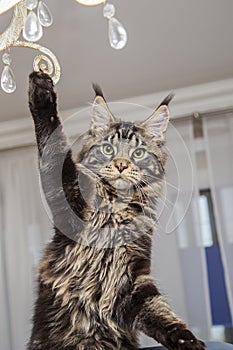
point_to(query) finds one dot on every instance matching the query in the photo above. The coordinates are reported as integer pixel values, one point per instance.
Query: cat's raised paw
(41, 90)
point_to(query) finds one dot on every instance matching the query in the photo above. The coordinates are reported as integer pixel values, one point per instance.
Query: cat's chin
(121, 184)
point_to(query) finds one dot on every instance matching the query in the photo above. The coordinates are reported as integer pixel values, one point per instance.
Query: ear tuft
(167, 100)
(98, 90)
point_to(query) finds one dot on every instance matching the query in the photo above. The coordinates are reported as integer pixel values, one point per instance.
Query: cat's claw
(41, 90)
(184, 340)
(193, 344)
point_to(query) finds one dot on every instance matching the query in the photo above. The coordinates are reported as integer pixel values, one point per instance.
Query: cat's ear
(101, 115)
(156, 124)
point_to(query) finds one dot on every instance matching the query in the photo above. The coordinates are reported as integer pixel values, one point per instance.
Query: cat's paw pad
(41, 89)
(184, 340)
(41, 79)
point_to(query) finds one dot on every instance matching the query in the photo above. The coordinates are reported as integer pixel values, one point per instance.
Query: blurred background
(180, 46)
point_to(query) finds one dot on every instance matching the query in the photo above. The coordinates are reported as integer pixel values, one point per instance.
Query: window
(207, 220)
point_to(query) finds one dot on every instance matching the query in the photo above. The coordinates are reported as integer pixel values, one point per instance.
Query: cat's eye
(108, 150)
(139, 153)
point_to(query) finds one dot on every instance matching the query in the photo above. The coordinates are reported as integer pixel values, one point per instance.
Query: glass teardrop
(44, 14)
(117, 34)
(32, 30)
(31, 4)
(8, 83)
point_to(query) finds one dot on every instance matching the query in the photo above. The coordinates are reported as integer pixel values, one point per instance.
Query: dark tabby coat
(95, 289)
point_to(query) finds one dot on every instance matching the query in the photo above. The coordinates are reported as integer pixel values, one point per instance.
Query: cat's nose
(121, 164)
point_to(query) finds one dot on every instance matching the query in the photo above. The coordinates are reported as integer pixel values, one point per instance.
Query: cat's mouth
(120, 184)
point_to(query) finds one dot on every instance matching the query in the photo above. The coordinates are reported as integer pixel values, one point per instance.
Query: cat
(95, 291)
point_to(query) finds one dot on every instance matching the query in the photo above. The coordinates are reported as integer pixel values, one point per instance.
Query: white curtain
(24, 227)
(188, 234)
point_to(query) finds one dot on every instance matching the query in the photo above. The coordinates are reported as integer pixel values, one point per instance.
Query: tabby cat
(95, 291)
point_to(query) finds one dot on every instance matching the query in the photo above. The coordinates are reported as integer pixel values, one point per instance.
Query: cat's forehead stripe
(115, 139)
(133, 140)
(124, 131)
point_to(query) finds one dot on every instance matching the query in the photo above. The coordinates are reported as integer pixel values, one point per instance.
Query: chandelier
(30, 18)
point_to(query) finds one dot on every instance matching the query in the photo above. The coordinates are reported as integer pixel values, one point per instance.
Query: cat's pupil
(108, 149)
(139, 153)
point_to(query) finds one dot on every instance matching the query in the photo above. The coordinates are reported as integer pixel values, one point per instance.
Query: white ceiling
(171, 44)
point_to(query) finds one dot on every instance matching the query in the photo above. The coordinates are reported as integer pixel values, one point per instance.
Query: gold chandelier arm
(6, 5)
(15, 28)
(47, 61)
(90, 2)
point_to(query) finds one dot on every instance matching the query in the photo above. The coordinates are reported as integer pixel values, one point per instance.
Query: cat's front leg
(155, 318)
(43, 107)
(57, 169)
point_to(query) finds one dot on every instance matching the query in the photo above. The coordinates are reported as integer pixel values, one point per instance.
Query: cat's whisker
(165, 182)
(166, 199)
(158, 194)
(141, 193)
(150, 187)
(141, 199)
(146, 196)
(97, 177)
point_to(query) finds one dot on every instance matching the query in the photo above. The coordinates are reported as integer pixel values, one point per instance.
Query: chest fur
(85, 283)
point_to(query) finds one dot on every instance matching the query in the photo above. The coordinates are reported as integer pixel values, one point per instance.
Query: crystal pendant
(31, 4)
(109, 10)
(32, 30)
(44, 14)
(6, 58)
(8, 83)
(117, 34)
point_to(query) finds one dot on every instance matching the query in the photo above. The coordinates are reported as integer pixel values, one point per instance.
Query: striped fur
(95, 291)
